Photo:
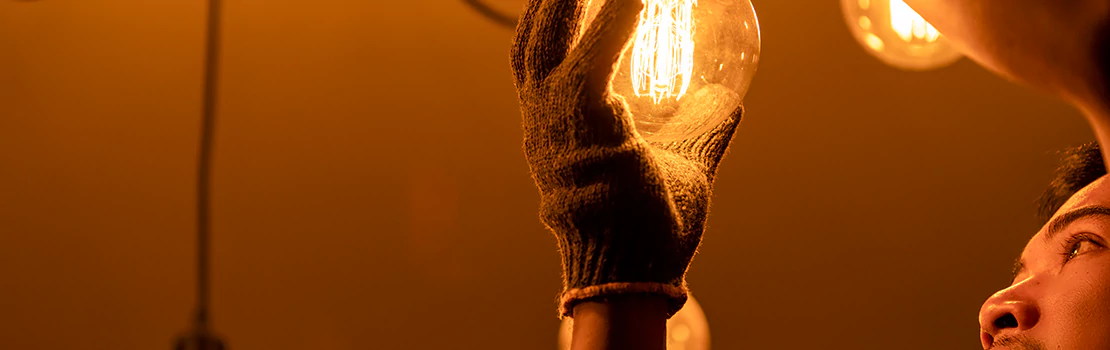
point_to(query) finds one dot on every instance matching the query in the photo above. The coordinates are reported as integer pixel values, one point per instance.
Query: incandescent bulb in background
(897, 35)
(686, 330)
(688, 66)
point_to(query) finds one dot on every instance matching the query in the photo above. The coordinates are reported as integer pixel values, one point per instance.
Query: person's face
(1060, 296)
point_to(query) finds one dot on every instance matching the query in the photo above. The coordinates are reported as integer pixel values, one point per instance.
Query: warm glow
(865, 23)
(672, 91)
(894, 33)
(663, 50)
(874, 42)
(909, 25)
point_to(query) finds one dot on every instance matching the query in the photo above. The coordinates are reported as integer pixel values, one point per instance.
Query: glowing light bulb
(688, 66)
(686, 330)
(663, 49)
(897, 35)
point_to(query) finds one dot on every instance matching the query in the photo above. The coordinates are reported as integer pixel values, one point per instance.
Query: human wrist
(623, 307)
(621, 322)
(675, 295)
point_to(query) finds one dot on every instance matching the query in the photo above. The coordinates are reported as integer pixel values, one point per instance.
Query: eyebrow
(1059, 224)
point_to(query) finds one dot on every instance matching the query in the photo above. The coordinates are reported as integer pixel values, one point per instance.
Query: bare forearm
(1060, 47)
(621, 323)
(1099, 120)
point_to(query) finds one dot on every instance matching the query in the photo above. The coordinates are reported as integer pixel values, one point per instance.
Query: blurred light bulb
(686, 330)
(897, 35)
(688, 65)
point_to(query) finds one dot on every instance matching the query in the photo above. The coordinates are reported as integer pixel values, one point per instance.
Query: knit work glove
(628, 214)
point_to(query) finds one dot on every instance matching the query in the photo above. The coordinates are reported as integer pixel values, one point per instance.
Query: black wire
(492, 14)
(204, 159)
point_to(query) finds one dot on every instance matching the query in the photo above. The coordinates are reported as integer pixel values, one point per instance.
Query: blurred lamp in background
(897, 35)
(686, 330)
(689, 64)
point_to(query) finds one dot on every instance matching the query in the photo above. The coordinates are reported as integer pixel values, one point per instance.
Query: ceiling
(371, 193)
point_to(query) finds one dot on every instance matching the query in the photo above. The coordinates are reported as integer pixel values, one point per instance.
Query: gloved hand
(628, 214)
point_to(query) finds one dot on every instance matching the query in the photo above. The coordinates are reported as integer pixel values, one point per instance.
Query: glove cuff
(676, 295)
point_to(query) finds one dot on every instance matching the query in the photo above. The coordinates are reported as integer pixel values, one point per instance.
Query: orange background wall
(370, 191)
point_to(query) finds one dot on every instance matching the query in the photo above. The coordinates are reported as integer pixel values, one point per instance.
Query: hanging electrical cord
(492, 14)
(201, 337)
(204, 160)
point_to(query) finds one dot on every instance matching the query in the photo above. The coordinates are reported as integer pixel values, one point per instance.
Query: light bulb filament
(663, 50)
(909, 25)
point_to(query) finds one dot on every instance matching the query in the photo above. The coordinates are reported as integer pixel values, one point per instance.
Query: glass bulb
(687, 67)
(686, 330)
(897, 35)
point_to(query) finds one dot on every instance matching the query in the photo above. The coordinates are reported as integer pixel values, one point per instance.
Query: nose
(1006, 311)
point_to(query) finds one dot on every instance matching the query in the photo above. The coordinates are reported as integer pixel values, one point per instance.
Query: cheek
(1075, 308)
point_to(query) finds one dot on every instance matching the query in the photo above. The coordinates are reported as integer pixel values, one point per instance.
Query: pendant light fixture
(894, 33)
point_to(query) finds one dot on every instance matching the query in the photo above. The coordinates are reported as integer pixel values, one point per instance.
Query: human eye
(1080, 244)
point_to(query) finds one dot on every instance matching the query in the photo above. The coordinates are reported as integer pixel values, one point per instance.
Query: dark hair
(1079, 167)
